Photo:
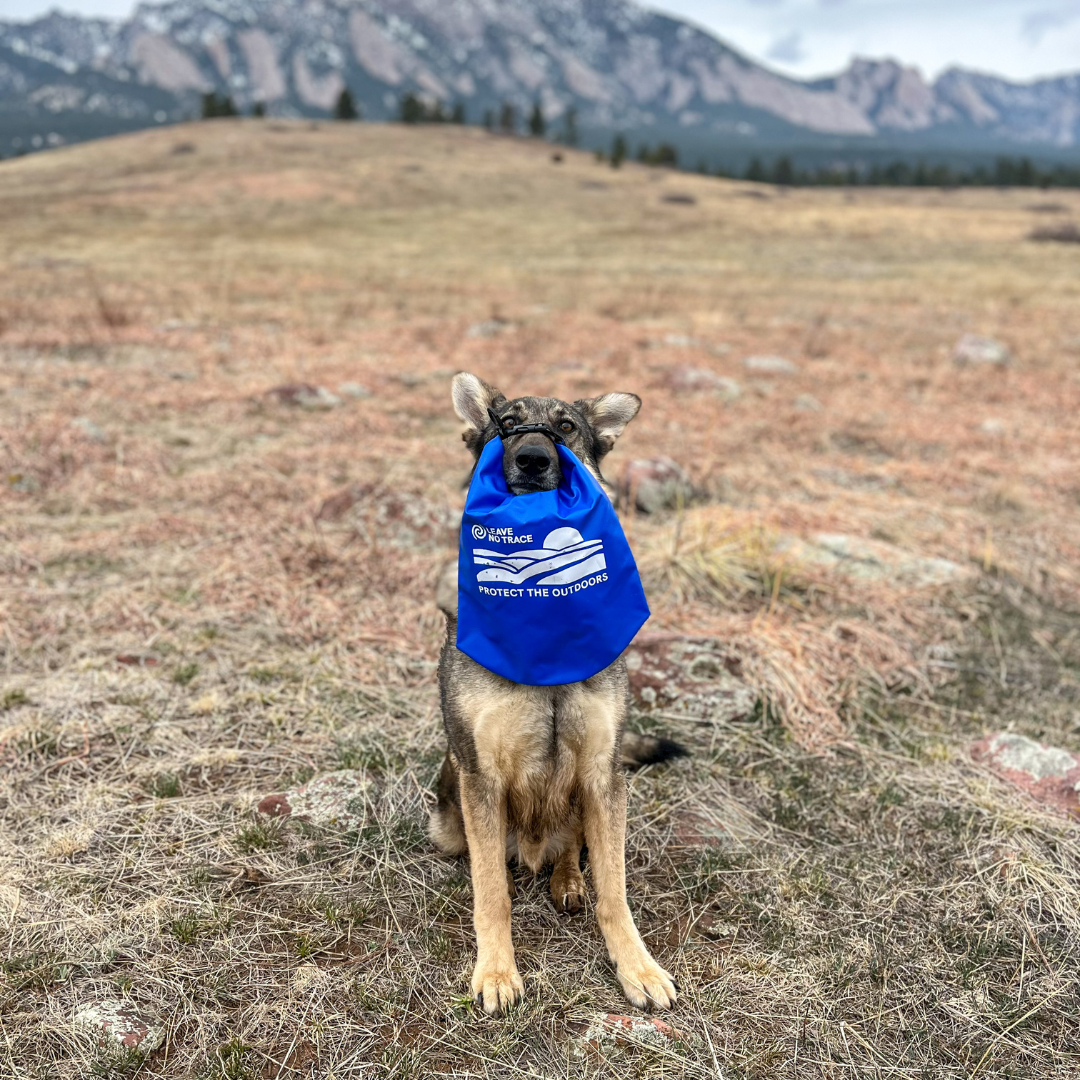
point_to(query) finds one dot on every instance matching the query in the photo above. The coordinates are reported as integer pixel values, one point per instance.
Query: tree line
(509, 120)
(1004, 172)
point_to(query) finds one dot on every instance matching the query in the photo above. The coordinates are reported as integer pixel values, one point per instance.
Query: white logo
(478, 532)
(566, 556)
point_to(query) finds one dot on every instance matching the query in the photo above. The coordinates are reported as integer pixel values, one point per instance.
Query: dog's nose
(533, 460)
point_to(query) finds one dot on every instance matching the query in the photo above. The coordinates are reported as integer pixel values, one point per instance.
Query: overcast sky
(1018, 38)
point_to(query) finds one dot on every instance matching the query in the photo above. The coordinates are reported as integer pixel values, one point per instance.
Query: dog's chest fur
(537, 745)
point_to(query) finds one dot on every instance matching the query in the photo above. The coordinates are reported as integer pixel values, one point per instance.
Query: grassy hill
(212, 593)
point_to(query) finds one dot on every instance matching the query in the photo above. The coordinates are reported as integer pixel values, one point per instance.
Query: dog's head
(589, 428)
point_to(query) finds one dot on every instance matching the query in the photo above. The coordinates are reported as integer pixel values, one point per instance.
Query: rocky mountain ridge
(619, 64)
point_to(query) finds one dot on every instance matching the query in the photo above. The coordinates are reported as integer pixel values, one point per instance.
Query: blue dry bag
(548, 590)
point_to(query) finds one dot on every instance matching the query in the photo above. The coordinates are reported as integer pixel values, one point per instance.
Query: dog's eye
(566, 427)
(507, 422)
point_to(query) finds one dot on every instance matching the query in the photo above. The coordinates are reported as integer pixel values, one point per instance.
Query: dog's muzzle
(532, 464)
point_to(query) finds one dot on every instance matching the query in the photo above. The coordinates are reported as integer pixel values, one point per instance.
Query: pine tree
(489, 119)
(458, 115)
(755, 171)
(214, 106)
(618, 151)
(508, 119)
(537, 122)
(412, 110)
(570, 128)
(258, 110)
(666, 154)
(345, 107)
(784, 171)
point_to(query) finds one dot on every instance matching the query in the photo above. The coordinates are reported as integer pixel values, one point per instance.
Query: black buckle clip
(524, 429)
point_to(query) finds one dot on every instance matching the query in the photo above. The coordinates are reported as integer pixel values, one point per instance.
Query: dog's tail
(638, 750)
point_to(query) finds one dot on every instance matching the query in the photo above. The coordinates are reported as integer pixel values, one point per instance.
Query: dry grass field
(182, 632)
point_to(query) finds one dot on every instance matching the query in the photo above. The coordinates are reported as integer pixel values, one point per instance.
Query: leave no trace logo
(566, 556)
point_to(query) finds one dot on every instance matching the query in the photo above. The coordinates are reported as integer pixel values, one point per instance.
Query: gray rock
(691, 380)
(385, 516)
(1049, 775)
(770, 365)
(992, 427)
(975, 351)
(681, 341)
(695, 676)
(304, 396)
(88, 429)
(872, 560)
(334, 801)
(808, 403)
(23, 482)
(489, 328)
(353, 390)
(1067, 232)
(604, 1032)
(654, 484)
(120, 1022)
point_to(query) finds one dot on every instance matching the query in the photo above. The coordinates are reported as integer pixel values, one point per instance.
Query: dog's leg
(643, 980)
(496, 984)
(567, 883)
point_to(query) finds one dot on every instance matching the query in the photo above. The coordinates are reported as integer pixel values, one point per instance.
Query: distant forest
(1005, 171)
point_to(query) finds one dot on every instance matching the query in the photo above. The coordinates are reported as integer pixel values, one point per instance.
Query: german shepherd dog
(536, 771)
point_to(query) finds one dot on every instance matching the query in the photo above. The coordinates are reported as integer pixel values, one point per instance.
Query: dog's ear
(472, 399)
(608, 416)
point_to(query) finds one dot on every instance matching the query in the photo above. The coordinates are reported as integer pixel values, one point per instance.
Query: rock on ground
(770, 365)
(353, 390)
(1049, 775)
(404, 518)
(608, 1030)
(697, 830)
(304, 396)
(88, 429)
(489, 328)
(872, 560)
(974, 351)
(692, 380)
(654, 484)
(331, 801)
(694, 676)
(120, 1022)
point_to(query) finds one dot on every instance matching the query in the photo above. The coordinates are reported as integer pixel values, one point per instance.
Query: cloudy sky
(1018, 38)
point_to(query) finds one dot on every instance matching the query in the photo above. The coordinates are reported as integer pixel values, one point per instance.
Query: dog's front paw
(646, 983)
(567, 890)
(496, 986)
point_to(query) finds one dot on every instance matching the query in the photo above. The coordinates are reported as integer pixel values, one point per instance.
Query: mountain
(620, 65)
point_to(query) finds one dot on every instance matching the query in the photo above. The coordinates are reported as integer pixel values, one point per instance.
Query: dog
(536, 771)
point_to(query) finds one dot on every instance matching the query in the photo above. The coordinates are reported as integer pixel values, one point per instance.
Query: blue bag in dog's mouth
(548, 590)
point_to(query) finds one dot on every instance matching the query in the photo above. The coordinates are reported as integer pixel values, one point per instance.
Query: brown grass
(880, 907)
